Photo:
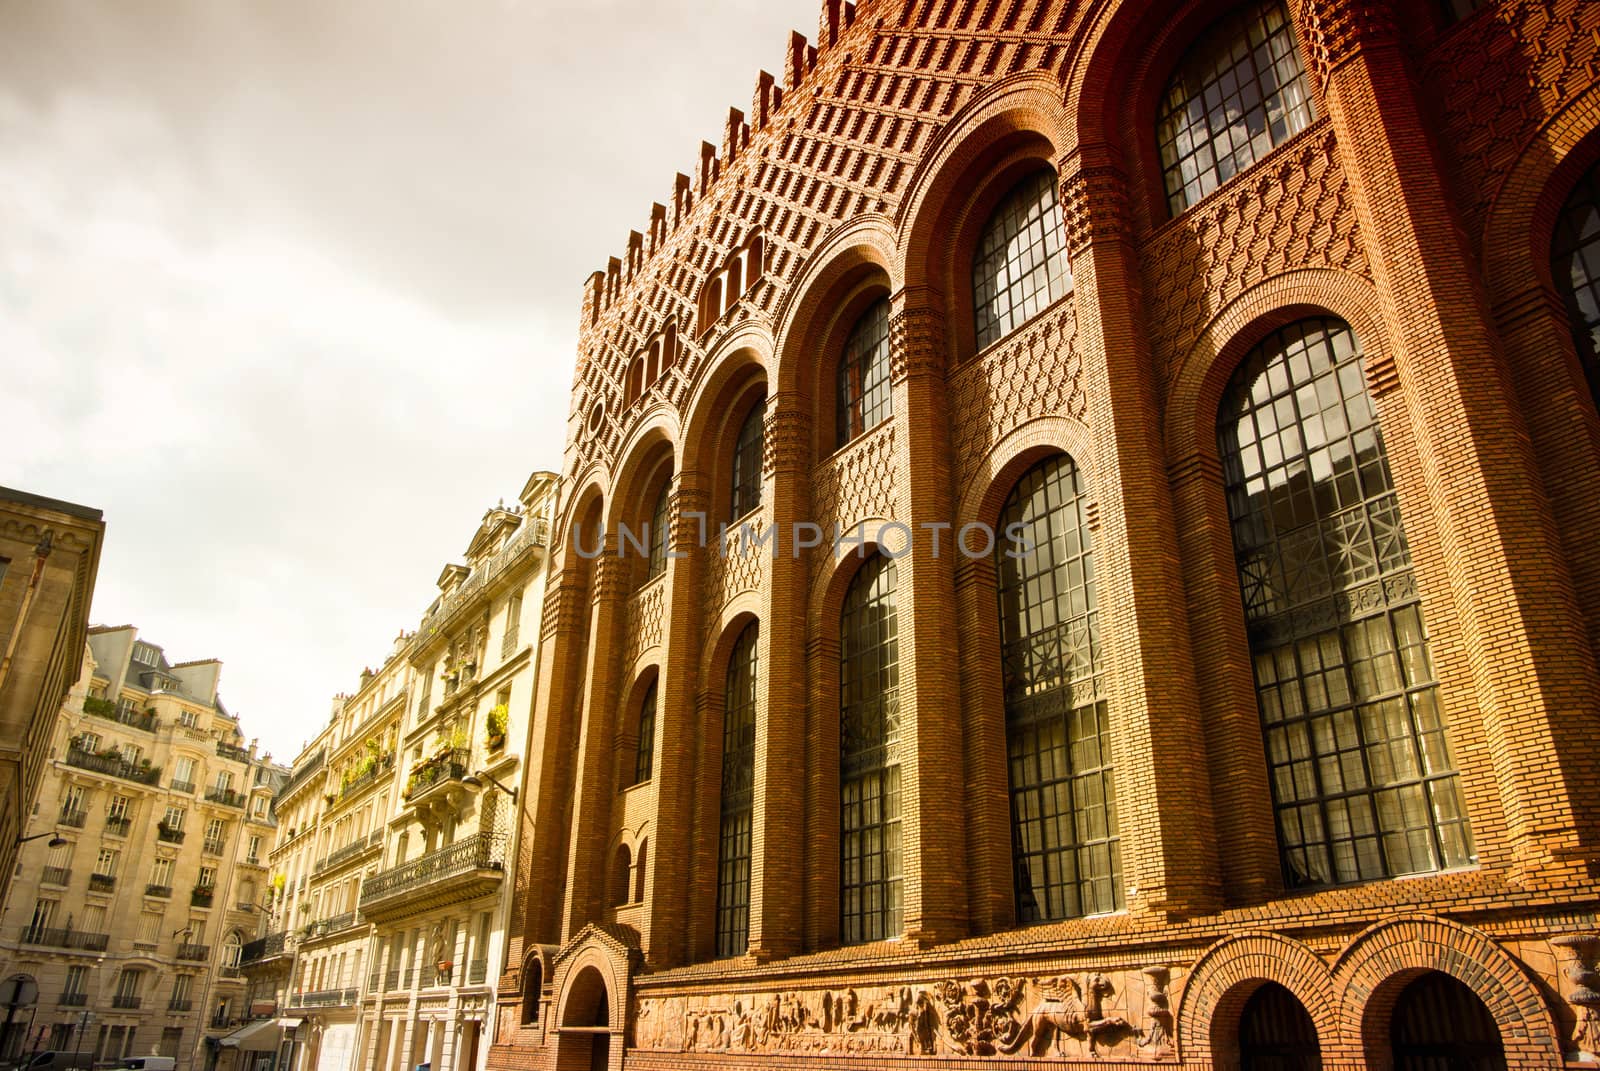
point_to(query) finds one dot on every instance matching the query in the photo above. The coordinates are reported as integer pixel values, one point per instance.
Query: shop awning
(263, 1035)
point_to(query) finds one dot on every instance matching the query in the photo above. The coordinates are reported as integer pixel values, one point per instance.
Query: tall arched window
(658, 534)
(1065, 848)
(644, 754)
(869, 735)
(863, 395)
(738, 788)
(1021, 263)
(745, 492)
(1276, 1033)
(1362, 776)
(1237, 92)
(621, 876)
(1575, 264)
(232, 945)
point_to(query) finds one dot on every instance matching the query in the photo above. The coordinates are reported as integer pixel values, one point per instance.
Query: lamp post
(85, 1017)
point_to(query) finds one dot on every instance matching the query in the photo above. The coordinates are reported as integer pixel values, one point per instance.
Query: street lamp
(476, 781)
(56, 839)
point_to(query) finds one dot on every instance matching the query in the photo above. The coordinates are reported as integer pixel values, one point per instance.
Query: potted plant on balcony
(499, 715)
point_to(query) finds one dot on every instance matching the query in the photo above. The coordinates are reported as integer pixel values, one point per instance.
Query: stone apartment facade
(131, 919)
(387, 934)
(1265, 334)
(49, 556)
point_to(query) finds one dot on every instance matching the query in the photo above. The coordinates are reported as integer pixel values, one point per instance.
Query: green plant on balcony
(104, 708)
(495, 727)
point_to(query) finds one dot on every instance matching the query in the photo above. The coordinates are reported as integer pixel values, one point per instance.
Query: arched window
(659, 534)
(641, 864)
(869, 735)
(1065, 848)
(232, 945)
(1021, 263)
(863, 395)
(1439, 1022)
(738, 787)
(621, 876)
(1362, 777)
(746, 476)
(644, 754)
(1575, 264)
(1237, 92)
(532, 989)
(1276, 1033)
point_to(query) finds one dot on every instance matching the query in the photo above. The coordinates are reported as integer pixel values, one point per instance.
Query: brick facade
(1417, 207)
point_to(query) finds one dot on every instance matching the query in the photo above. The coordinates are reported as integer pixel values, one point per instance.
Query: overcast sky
(290, 288)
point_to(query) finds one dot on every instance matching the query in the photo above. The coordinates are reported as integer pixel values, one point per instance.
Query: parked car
(148, 1063)
(62, 1060)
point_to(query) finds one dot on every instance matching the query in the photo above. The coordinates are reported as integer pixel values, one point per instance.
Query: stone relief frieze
(1091, 1015)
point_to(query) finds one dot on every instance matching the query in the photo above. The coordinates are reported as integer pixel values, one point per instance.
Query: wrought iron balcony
(532, 533)
(58, 938)
(391, 981)
(56, 875)
(468, 868)
(212, 847)
(263, 948)
(477, 971)
(231, 751)
(102, 882)
(303, 773)
(227, 971)
(194, 953)
(202, 895)
(112, 765)
(353, 850)
(448, 765)
(126, 1000)
(326, 998)
(74, 819)
(180, 1005)
(118, 827)
(186, 787)
(170, 835)
(73, 1000)
(330, 926)
(227, 797)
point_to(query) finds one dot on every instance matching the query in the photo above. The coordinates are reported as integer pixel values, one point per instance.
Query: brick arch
(737, 354)
(589, 977)
(592, 485)
(1522, 217)
(861, 246)
(639, 468)
(1228, 973)
(827, 595)
(1380, 961)
(1201, 375)
(1017, 451)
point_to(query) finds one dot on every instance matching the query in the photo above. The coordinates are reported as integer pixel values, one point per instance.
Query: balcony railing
(180, 1005)
(170, 835)
(449, 765)
(531, 534)
(391, 981)
(227, 797)
(337, 924)
(118, 827)
(380, 766)
(56, 875)
(186, 787)
(481, 851)
(350, 851)
(263, 948)
(113, 766)
(326, 998)
(105, 708)
(201, 896)
(126, 1000)
(74, 819)
(212, 847)
(73, 1000)
(158, 890)
(230, 971)
(58, 938)
(303, 773)
(194, 953)
(102, 882)
(477, 971)
(231, 751)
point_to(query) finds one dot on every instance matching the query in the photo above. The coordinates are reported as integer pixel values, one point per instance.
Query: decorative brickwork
(1416, 210)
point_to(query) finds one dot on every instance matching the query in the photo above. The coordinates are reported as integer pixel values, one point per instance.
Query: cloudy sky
(289, 288)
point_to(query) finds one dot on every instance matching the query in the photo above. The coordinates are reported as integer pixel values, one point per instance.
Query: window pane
(645, 751)
(869, 735)
(746, 491)
(658, 534)
(1021, 263)
(1575, 264)
(1065, 847)
(738, 782)
(863, 389)
(1360, 769)
(1238, 91)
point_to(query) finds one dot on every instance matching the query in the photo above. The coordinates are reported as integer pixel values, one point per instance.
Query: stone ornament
(1066, 1016)
(1584, 996)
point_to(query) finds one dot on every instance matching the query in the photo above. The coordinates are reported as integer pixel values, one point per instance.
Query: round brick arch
(1224, 978)
(1378, 963)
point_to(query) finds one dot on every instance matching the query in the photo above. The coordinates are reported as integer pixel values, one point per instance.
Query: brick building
(1265, 335)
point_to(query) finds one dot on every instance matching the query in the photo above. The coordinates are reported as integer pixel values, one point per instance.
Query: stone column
(780, 833)
(932, 762)
(1163, 791)
(1520, 651)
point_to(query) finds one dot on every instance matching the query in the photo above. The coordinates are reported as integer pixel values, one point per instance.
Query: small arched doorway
(1276, 1033)
(585, 1043)
(1440, 1025)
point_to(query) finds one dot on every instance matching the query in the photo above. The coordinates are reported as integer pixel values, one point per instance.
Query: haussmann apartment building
(1207, 394)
